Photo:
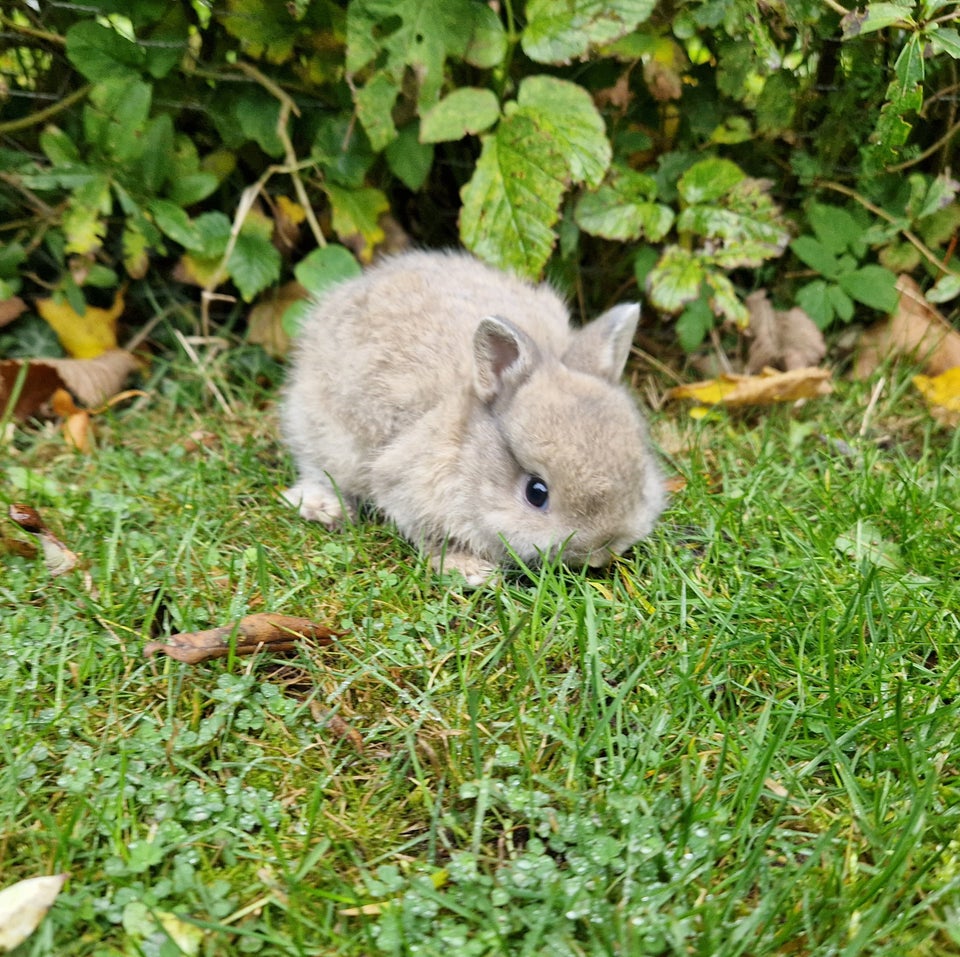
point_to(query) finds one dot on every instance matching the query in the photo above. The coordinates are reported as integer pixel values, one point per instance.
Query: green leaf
(173, 221)
(409, 159)
(100, 53)
(156, 164)
(83, 223)
(947, 287)
(58, 147)
(566, 113)
(375, 100)
(513, 199)
(876, 16)
(644, 260)
(466, 110)
(266, 28)
(814, 300)
(836, 230)
(725, 301)
(254, 262)
(694, 323)
(709, 180)
(115, 117)
(557, 32)
(488, 40)
(812, 252)
(872, 285)
(842, 304)
(343, 150)
(257, 113)
(325, 267)
(356, 214)
(623, 209)
(946, 40)
(676, 280)
(191, 189)
(551, 136)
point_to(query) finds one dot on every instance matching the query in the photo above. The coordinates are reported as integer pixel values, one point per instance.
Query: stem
(914, 240)
(27, 31)
(41, 116)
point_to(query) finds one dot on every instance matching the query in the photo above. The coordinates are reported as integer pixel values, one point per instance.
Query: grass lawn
(742, 739)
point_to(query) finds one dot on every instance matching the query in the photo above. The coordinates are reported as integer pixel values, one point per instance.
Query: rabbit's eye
(537, 492)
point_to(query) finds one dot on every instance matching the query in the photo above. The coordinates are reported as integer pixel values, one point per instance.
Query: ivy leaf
(100, 53)
(560, 32)
(467, 110)
(623, 208)
(550, 137)
(676, 280)
(872, 285)
(356, 216)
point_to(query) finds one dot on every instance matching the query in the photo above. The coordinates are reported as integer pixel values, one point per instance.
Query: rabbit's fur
(437, 388)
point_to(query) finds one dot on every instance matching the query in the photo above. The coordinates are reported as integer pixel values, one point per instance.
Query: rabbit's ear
(601, 347)
(503, 357)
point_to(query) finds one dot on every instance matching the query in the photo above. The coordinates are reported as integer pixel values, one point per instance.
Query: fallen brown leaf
(915, 329)
(781, 340)
(264, 321)
(251, 633)
(57, 558)
(336, 725)
(764, 389)
(91, 381)
(10, 309)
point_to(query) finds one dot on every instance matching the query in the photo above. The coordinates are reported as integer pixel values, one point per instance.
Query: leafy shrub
(678, 146)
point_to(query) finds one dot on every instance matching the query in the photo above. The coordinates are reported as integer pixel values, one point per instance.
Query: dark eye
(537, 492)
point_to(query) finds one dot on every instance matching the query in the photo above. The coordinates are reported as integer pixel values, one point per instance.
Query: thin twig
(41, 116)
(187, 346)
(929, 151)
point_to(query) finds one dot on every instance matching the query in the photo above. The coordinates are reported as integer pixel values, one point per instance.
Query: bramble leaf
(675, 280)
(100, 53)
(872, 285)
(623, 208)
(356, 216)
(560, 32)
(467, 110)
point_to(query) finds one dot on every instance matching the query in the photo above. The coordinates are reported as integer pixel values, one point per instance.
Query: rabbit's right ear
(503, 357)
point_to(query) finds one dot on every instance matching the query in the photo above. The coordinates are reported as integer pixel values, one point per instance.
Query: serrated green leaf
(343, 150)
(266, 28)
(567, 114)
(191, 189)
(814, 300)
(325, 267)
(257, 113)
(559, 32)
(835, 228)
(83, 223)
(356, 215)
(136, 259)
(254, 262)
(173, 221)
(676, 280)
(842, 304)
(872, 285)
(100, 53)
(466, 110)
(115, 117)
(724, 301)
(512, 202)
(709, 180)
(812, 252)
(409, 159)
(623, 209)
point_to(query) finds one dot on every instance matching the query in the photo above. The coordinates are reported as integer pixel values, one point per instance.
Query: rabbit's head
(567, 465)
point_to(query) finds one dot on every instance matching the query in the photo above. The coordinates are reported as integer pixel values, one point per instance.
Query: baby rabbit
(459, 401)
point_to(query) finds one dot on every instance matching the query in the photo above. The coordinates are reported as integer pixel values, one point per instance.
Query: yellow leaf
(942, 393)
(291, 210)
(764, 389)
(86, 336)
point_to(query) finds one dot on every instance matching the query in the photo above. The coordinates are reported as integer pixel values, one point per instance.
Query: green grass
(740, 740)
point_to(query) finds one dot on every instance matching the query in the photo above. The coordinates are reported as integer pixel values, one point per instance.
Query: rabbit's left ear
(602, 347)
(503, 358)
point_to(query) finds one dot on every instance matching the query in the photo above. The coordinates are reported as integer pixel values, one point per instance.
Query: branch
(12, 126)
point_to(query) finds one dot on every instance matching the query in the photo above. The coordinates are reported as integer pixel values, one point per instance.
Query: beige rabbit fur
(461, 403)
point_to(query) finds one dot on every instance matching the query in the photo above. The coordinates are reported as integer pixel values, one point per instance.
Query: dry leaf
(942, 393)
(764, 389)
(264, 321)
(23, 905)
(287, 217)
(76, 422)
(781, 340)
(10, 309)
(915, 329)
(92, 381)
(336, 725)
(57, 558)
(86, 336)
(251, 634)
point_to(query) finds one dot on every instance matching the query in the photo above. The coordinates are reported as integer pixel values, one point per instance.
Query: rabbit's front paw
(475, 571)
(317, 503)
